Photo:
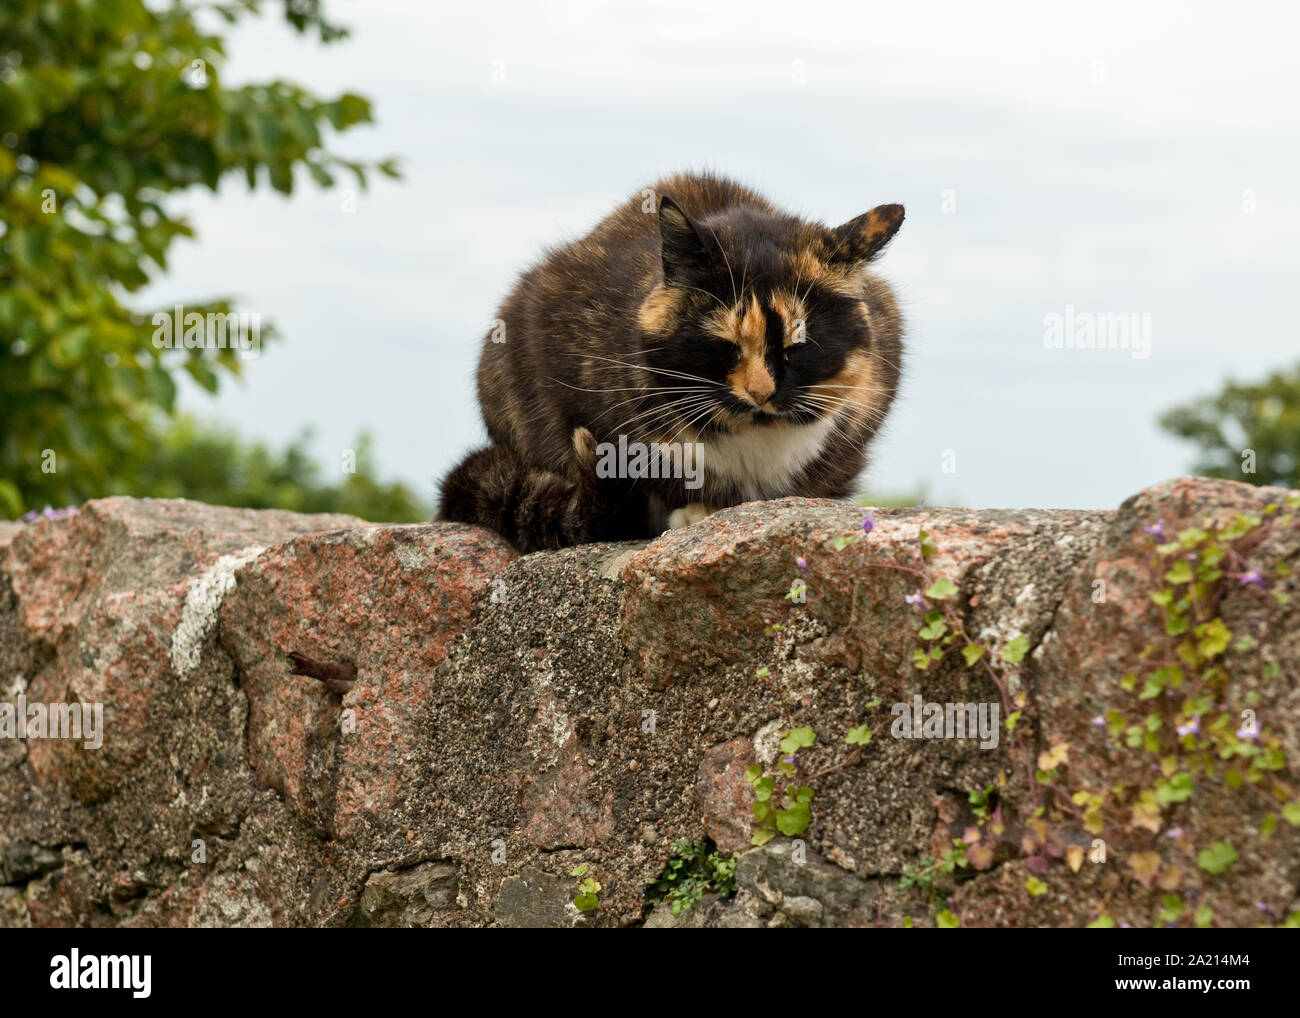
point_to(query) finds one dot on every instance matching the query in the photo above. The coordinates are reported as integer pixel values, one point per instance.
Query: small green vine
(697, 869)
(586, 899)
(1176, 716)
(789, 813)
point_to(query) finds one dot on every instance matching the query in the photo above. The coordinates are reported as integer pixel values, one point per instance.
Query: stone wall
(491, 722)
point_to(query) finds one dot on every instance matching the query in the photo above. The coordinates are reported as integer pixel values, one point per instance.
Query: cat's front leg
(691, 512)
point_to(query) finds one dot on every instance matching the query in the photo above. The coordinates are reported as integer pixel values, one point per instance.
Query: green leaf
(794, 820)
(940, 589)
(1015, 651)
(859, 736)
(798, 738)
(933, 630)
(1217, 858)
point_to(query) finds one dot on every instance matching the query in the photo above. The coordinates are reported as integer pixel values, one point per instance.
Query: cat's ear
(684, 252)
(861, 239)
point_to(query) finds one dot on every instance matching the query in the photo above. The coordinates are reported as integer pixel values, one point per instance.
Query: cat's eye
(728, 349)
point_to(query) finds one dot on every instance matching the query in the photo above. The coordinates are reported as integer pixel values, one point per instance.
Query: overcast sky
(1117, 158)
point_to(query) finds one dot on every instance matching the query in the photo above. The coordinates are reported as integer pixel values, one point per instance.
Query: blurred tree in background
(209, 464)
(107, 107)
(1243, 426)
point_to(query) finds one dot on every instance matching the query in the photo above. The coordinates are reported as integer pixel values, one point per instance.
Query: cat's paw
(690, 513)
(583, 466)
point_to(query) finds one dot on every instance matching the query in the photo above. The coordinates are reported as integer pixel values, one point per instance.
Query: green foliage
(790, 812)
(107, 109)
(891, 500)
(925, 875)
(587, 898)
(1263, 418)
(940, 589)
(189, 460)
(859, 736)
(1177, 722)
(1217, 858)
(697, 869)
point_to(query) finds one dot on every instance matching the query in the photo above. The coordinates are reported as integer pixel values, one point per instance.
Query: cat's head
(761, 317)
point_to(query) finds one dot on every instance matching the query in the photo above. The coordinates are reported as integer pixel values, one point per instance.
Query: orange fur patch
(658, 312)
(794, 315)
(810, 269)
(854, 388)
(746, 326)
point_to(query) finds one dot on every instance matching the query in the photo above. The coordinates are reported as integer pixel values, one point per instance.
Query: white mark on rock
(411, 556)
(202, 602)
(1016, 621)
(362, 538)
(767, 742)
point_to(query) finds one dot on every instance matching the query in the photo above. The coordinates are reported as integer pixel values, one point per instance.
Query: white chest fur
(763, 461)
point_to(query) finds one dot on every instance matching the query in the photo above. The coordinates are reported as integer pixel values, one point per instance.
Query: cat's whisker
(706, 293)
(655, 413)
(685, 402)
(709, 410)
(838, 403)
(685, 375)
(727, 262)
(620, 388)
(837, 425)
(835, 390)
(834, 399)
(646, 395)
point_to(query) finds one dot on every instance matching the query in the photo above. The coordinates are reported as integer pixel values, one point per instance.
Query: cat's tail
(532, 508)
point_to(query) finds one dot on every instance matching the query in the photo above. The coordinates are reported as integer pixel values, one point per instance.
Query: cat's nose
(758, 383)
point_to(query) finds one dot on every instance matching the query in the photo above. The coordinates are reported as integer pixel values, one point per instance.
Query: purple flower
(1192, 727)
(48, 513)
(789, 759)
(915, 598)
(1099, 721)
(920, 504)
(1248, 730)
(1158, 530)
(1174, 832)
(1252, 576)
(801, 562)
(869, 524)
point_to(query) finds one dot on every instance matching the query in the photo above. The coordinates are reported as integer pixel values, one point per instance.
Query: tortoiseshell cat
(697, 331)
